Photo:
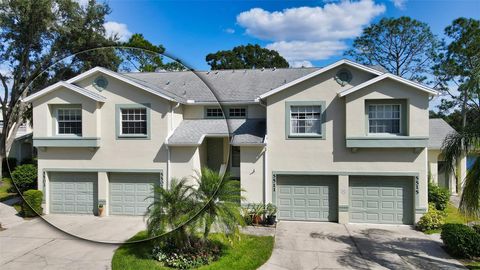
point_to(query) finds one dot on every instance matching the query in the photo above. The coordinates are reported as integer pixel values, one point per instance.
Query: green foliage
(246, 57)
(438, 196)
(8, 165)
(219, 196)
(32, 205)
(271, 209)
(404, 46)
(171, 209)
(460, 240)
(432, 220)
(25, 177)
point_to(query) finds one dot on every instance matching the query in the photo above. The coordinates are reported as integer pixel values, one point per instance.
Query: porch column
(461, 172)
(103, 191)
(343, 199)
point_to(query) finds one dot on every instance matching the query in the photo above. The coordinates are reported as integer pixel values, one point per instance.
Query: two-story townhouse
(344, 143)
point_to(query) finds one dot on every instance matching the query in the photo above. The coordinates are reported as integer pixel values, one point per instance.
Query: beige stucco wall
(251, 173)
(417, 105)
(331, 154)
(434, 156)
(118, 154)
(184, 161)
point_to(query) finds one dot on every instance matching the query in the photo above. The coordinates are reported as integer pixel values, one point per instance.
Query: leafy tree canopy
(404, 46)
(246, 57)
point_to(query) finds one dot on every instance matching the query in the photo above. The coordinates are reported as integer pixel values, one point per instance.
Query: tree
(171, 210)
(141, 55)
(459, 65)
(246, 57)
(404, 46)
(36, 35)
(220, 197)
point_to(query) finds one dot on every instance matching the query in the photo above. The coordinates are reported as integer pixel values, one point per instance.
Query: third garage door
(302, 197)
(130, 193)
(381, 199)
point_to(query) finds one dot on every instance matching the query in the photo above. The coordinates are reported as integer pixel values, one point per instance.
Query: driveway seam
(356, 246)
(31, 250)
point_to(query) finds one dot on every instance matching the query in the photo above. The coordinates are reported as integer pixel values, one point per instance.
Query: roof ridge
(219, 70)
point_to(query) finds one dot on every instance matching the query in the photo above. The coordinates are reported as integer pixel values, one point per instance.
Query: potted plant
(271, 211)
(100, 210)
(258, 210)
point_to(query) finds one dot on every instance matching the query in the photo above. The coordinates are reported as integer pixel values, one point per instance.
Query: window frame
(118, 121)
(215, 108)
(290, 135)
(238, 117)
(403, 125)
(57, 124)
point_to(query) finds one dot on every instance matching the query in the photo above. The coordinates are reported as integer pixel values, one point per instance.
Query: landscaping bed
(7, 190)
(247, 252)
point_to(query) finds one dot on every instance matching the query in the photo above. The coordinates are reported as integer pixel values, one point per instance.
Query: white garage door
(73, 192)
(130, 193)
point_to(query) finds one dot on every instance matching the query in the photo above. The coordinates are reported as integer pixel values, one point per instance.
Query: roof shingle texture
(244, 131)
(439, 130)
(237, 85)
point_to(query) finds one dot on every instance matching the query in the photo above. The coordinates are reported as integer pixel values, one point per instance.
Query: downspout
(265, 171)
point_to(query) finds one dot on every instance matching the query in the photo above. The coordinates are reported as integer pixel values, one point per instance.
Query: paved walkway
(314, 245)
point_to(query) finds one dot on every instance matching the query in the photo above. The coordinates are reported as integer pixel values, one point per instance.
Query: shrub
(439, 196)
(432, 220)
(476, 227)
(11, 162)
(25, 177)
(460, 240)
(32, 203)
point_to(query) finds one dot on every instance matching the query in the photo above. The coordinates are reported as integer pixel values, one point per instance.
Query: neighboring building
(22, 148)
(439, 130)
(344, 143)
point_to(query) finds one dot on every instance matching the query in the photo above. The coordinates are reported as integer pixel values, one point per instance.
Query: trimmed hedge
(461, 240)
(432, 220)
(25, 177)
(439, 196)
(32, 203)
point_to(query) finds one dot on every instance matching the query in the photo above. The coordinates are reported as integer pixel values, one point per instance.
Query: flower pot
(100, 212)
(257, 219)
(271, 219)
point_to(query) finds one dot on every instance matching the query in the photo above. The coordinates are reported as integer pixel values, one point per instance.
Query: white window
(134, 121)
(237, 112)
(214, 112)
(69, 121)
(384, 118)
(305, 120)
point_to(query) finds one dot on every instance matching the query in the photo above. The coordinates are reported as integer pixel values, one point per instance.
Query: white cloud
(310, 33)
(229, 31)
(298, 64)
(119, 30)
(400, 4)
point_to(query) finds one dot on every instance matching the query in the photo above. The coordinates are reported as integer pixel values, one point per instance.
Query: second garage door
(130, 193)
(381, 199)
(73, 192)
(307, 197)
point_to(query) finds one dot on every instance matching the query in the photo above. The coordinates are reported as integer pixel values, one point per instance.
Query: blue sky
(305, 32)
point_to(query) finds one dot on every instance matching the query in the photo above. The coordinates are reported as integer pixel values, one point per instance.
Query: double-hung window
(69, 121)
(384, 119)
(305, 120)
(133, 121)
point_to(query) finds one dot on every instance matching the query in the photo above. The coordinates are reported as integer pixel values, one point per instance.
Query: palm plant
(465, 141)
(220, 197)
(172, 209)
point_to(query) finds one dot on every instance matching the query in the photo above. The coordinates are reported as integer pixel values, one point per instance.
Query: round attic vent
(343, 77)
(100, 83)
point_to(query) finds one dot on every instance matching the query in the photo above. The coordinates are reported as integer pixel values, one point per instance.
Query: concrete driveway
(34, 244)
(314, 245)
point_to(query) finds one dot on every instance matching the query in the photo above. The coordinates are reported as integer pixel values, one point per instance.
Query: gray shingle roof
(439, 130)
(244, 131)
(239, 85)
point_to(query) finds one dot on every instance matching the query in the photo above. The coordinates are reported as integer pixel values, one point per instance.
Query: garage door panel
(392, 205)
(307, 198)
(130, 192)
(73, 193)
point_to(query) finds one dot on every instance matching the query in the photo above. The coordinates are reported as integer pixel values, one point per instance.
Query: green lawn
(5, 189)
(453, 216)
(248, 253)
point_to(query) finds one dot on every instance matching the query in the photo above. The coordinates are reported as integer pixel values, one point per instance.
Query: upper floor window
(69, 121)
(134, 121)
(305, 120)
(237, 112)
(214, 112)
(384, 118)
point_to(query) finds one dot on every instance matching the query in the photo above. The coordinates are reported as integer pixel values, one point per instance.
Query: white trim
(320, 71)
(418, 86)
(119, 77)
(80, 90)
